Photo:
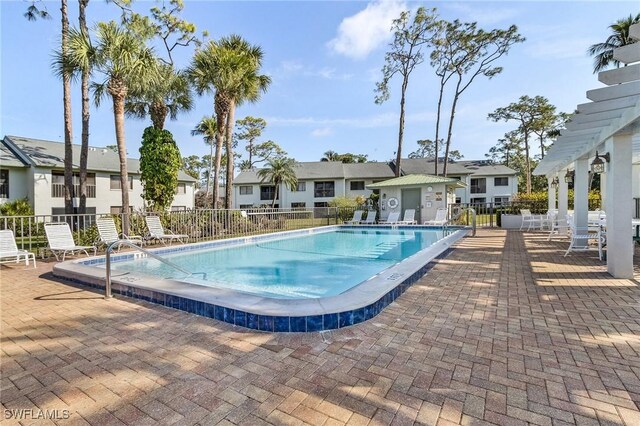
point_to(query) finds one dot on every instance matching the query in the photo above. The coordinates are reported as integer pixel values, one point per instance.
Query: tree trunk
(450, 129)
(250, 152)
(211, 145)
(84, 147)
(220, 118)
(158, 112)
(527, 162)
(405, 82)
(228, 200)
(68, 126)
(275, 195)
(542, 146)
(436, 141)
(118, 116)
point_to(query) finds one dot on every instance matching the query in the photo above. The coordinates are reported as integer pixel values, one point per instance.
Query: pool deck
(503, 331)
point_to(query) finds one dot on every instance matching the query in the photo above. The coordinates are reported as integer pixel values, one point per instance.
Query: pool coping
(360, 303)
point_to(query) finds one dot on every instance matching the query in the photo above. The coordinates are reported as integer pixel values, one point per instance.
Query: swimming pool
(307, 280)
(308, 266)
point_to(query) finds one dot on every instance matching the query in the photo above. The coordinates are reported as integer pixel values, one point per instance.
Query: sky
(324, 58)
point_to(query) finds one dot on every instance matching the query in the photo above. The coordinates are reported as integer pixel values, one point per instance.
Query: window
(4, 183)
(114, 182)
(115, 209)
(321, 204)
(267, 192)
(57, 184)
(298, 205)
(246, 206)
(324, 189)
(458, 200)
(478, 185)
(357, 185)
(301, 187)
(179, 208)
(501, 181)
(500, 200)
(181, 188)
(478, 201)
(246, 190)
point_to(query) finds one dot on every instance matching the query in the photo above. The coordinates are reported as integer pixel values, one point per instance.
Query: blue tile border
(267, 323)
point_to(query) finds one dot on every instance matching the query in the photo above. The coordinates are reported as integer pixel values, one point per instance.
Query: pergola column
(551, 204)
(581, 194)
(563, 201)
(619, 207)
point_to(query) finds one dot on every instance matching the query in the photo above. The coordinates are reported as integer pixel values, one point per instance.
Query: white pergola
(610, 123)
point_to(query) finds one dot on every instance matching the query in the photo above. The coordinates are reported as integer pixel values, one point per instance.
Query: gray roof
(9, 159)
(337, 170)
(42, 153)
(472, 167)
(326, 170)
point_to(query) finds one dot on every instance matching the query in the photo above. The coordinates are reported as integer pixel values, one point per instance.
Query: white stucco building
(321, 181)
(34, 169)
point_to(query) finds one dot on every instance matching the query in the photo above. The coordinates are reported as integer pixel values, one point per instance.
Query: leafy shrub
(19, 207)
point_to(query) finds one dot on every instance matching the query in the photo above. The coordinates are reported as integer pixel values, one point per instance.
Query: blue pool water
(310, 266)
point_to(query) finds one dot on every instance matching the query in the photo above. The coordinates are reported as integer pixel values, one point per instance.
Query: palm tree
(208, 127)
(128, 66)
(170, 96)
(603, 52)
(84, 89)
(228, 68)
(330, 156)
(250, 86)
(279, 171)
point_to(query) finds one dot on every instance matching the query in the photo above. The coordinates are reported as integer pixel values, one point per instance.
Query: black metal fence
(200, 225)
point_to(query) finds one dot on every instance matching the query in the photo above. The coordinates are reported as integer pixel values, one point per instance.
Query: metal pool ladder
(107, 287)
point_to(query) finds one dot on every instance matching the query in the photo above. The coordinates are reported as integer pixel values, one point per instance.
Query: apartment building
(321, 181)
(34, 168)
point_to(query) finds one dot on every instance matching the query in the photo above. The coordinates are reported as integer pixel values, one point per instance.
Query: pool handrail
(107, 286)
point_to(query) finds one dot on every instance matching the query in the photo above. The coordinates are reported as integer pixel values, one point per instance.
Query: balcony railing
(57, 190)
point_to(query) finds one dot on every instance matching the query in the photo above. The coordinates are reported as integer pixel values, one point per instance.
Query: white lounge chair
(108, 234)
(394, 217)
(440, 219)
(157, 232)
(409, 217)
(357, 218)
(61, 240)
(371, 218)
(9, 251)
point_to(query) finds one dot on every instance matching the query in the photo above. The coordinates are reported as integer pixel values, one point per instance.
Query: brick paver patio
(503, 331)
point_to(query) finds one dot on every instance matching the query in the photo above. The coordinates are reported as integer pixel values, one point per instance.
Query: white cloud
(290, 68)
(483, 15)
(322, 132)
(567, 48)
(359, 34)
(374, 121)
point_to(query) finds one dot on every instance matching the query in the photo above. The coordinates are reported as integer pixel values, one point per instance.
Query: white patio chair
(61, 240)
(556, 225)
(157, 232)
(371, 218)
(394, 217)
(9, 251)
(532, 221)
(440, 219)
(581, 238)
(409, 217)
(108, 234)
(357, 218)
